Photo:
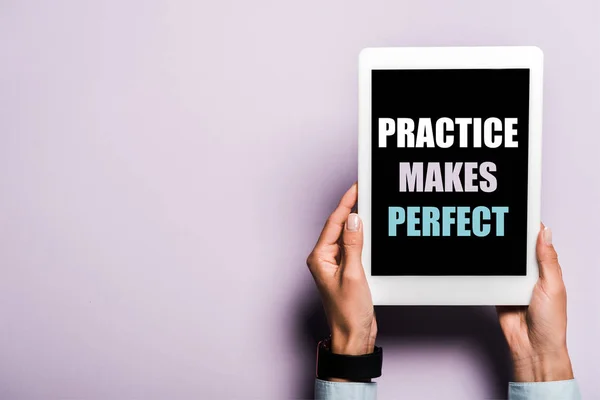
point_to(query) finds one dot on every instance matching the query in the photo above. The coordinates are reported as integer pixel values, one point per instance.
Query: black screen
(481, 187)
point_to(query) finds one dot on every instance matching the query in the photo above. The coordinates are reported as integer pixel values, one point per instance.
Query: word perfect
(436, 221)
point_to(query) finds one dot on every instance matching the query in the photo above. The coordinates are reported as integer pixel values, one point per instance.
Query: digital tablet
(450, 173)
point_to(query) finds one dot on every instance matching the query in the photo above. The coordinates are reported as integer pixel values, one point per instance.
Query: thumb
(352, 240)
(550, 270)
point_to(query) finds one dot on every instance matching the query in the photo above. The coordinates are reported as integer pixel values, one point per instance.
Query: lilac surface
(165, 168)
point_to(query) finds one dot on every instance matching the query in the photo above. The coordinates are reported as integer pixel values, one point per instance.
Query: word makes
(491, 132)
(413, 177)
(429, 221)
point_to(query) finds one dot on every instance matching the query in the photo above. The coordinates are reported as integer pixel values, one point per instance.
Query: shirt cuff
(326, 390)
(556, 390)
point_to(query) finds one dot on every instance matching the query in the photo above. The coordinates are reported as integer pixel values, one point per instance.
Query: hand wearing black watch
(359, 368)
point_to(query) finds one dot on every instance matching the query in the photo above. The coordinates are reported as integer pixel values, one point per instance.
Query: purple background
(166, 166)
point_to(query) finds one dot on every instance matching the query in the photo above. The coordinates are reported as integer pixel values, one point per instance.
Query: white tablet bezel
(452, 290)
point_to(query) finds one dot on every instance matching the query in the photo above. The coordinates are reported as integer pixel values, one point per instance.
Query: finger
(335, 223)
(352, 240)
(510, 315)
(550, 270)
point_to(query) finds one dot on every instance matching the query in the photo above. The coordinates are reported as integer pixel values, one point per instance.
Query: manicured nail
(547, 236)
(353, 223)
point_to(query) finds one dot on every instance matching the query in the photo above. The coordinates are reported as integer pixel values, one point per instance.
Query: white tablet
(450, 173)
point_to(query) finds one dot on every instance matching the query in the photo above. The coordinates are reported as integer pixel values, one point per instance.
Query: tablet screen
(449, 171)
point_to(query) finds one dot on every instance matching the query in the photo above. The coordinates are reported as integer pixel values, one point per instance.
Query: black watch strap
(356, 368)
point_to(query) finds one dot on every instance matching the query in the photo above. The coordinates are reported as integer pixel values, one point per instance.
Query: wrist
(543, 367)
(352, 344)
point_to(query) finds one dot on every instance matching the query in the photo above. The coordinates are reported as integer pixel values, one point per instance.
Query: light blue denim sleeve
(325, 390)
(557, 390)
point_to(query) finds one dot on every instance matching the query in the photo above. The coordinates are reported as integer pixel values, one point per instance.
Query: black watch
(354, 368)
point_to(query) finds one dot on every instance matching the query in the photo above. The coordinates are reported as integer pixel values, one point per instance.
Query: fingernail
(353, 223)
(547, 236)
